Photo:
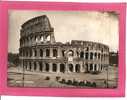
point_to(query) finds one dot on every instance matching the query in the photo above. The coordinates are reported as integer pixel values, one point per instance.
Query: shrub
(88, 83)
(63, 81)
(94, 84)
(81, 83)
(57, 78)
(69, 82)
(75, 83)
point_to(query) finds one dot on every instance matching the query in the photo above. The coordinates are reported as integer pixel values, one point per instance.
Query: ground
(38, 79)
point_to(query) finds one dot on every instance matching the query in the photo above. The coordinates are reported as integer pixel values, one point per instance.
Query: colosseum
(40, 52)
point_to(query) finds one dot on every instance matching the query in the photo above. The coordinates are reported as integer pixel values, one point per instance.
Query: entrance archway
(77, 68)
(71, 67)
(54, 67)
(47, 67)
(62, 68)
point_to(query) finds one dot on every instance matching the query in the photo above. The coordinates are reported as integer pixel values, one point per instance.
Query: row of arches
(34, 39)
(54, 53)
(61, 67)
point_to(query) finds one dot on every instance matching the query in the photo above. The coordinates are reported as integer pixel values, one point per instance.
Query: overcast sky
(69, 25)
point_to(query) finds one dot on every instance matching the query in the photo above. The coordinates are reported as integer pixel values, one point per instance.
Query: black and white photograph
(63, 49)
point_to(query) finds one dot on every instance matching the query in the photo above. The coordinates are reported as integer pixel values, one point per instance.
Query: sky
(93, 26)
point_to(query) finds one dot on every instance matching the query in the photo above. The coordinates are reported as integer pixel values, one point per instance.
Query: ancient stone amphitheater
(39, 52)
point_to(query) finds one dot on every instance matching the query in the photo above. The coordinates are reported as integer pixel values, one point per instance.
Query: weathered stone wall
(37, 53)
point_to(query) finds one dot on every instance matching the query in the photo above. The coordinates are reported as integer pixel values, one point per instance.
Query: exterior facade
(40, 52)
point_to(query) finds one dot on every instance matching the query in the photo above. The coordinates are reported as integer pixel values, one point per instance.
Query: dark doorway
(77, 68)
(54, 67)
(47, 52)
(71, 67)
(40, 66)
(82, 54)
(47, 67)
(62, 68)
(35, 66)
(54, 53)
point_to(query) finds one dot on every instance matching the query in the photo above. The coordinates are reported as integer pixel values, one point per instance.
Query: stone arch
(54, 67)
(40, 66)
(86, 55)
(35, 66)
(77, 68)
(54, 53)
(63, 51)
(98, 55)
(70, 53)
(70, 67)
(91, 67)
(91, 55)
(62, 68)
(81, 54)
(95, 54)
(87, 67)
(47, 52)
(47, 67)
(30, 65)
(41, 53)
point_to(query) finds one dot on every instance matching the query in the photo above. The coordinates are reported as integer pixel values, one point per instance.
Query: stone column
(58, 67)
(44, 53)
(32, 66)
(74, 68)
(43, 64)
(66, 67)
(51, 52)
(44, 39)
(38, 66)
(59, 52)
(33, 53)
(50, 67)
(28, 66)
(38, 52)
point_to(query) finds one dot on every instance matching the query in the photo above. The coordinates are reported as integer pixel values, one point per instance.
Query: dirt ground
(38, 79)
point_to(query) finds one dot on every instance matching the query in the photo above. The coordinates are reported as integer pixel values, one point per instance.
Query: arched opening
(87, 69)
(91, 67)
(77, 68)
(47, 67)
(71, 67)
(54, 53)
(41, 53)
(63, 53)
(95, 67)
(40, 66)
(35, 66)
(87, 49)
(70, 53)
(95, 55)
(47, 52)
(91, 55)
(82, 54)
(62, 68)
(30, 65)
(98, 55)
(86, 56)
(54, 67)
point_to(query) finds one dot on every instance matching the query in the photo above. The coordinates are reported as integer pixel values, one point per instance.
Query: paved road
(37, 79)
